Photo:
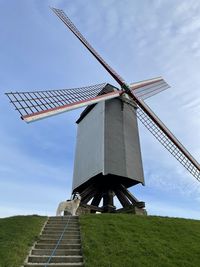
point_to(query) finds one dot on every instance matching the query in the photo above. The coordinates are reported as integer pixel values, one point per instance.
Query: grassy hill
(112, 240)
(17, 234)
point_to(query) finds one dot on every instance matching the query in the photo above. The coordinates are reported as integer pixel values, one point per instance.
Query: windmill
(108, 157)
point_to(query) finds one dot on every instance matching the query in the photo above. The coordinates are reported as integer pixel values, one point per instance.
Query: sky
(140, 40)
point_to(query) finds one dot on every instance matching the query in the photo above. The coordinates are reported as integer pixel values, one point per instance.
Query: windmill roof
(106, 89)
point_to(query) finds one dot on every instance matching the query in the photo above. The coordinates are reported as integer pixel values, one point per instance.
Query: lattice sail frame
(37, 105)
(65, 19)
(147, 88)
(176, 149)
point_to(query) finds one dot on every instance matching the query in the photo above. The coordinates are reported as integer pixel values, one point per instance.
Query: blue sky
(140, 40)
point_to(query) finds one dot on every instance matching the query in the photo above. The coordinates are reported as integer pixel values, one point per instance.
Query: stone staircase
(68, 252)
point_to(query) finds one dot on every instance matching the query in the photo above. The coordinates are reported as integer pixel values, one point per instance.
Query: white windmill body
(108, 152)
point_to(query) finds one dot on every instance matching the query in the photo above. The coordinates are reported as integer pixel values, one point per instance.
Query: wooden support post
(108, 201)
(97, 199)
(131, 198)
(89, 197)
(128, 194)
(88, 194)
(122, 198)
(97, 191)
(87, 191)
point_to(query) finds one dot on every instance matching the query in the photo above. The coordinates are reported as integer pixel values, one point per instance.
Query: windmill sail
(61, 14)
(168, 140)
(139, 91)
(148, 88)
(37, 105)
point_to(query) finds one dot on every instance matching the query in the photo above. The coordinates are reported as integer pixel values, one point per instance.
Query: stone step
(65, 237)
(67, 254)
(57, 236)
(62, 222)
(63, 241)
(61, 226)
(61, 246)
(59, 232)
(58, 252)
(55, 259)
(58, 219)
(56, 225)
(63, 217)
(74, 264)
(54, 228)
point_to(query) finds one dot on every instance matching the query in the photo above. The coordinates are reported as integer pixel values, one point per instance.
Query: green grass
(112, 240)
(17, 235)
